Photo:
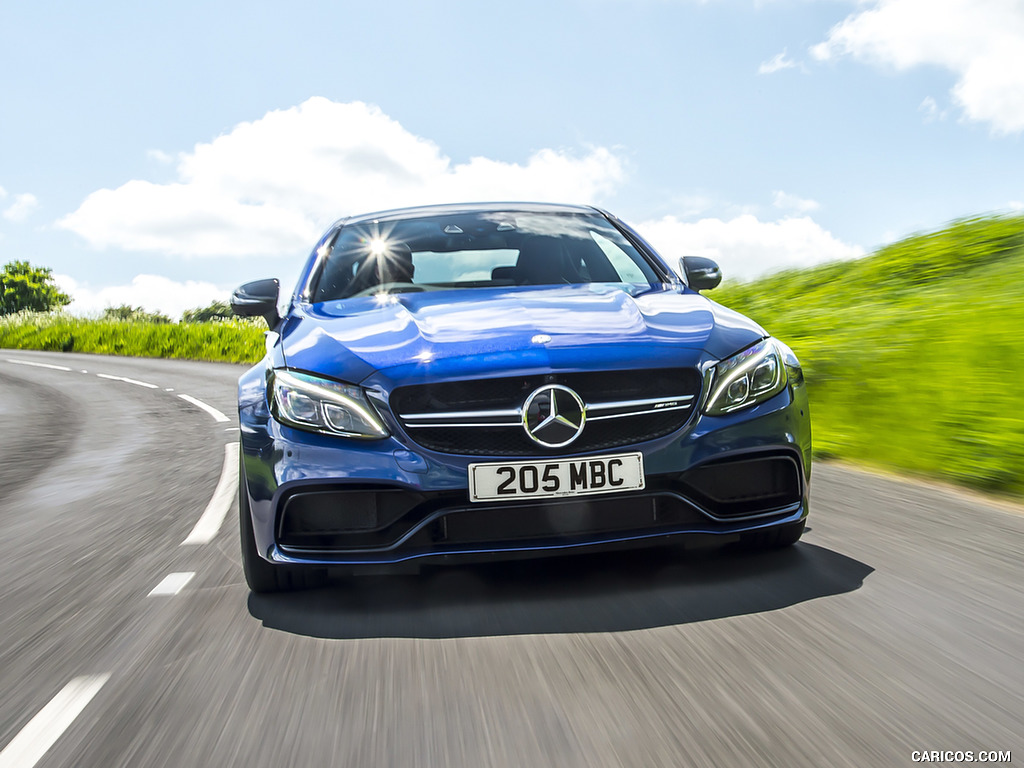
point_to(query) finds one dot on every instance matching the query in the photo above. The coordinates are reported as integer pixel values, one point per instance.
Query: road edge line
(38, 365)
(212, 519)
(217, 415)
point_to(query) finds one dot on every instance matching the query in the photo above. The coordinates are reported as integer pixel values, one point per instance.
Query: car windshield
(477, 250)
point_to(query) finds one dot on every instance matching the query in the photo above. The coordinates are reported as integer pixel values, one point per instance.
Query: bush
(215, 311)
(233, 341)
(137, 314)
(24, 287)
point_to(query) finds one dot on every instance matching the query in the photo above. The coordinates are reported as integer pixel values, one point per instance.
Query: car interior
(431, 255)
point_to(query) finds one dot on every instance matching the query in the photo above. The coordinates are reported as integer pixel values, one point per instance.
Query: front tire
(260, 575)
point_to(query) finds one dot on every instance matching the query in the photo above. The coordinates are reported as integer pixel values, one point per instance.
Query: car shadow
(592, 593)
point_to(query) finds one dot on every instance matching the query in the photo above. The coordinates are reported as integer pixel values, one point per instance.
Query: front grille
(483, 417)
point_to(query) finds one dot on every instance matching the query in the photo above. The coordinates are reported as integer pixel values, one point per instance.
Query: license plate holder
(556, 478)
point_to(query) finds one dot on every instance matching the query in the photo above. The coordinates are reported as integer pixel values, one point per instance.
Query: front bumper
(321, 500)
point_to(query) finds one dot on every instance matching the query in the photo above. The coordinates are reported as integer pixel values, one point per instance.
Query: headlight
(750, 377)
(321, 405)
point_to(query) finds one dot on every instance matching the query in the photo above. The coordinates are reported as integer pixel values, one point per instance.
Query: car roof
(457, 208)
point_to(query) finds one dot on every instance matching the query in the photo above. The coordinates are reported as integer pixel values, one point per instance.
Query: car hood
(467, 332)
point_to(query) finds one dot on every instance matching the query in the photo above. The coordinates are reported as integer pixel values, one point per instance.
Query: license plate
(547, 478)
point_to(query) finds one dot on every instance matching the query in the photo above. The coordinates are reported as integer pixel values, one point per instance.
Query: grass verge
(232, 341)
(915, 355)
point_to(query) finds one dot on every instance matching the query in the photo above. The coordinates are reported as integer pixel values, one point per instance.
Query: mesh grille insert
(511, 392)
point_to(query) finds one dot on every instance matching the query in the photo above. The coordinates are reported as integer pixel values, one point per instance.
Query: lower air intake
(746, 485)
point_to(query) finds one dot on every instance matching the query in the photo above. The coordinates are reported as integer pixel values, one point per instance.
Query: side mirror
(258, 299)
(701, 274)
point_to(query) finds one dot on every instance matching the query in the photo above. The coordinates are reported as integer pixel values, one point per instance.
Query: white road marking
(39, 365)
(36, 738)
(172, 584)
(212, 519)
(136, 382)
(169, 389)
(217, 415)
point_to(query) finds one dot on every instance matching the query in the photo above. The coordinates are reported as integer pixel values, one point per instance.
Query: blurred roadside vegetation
(914, 355)
(216, 310)
(137, 334)
(138, 314)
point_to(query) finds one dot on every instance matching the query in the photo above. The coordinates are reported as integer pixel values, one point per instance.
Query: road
(895, 625)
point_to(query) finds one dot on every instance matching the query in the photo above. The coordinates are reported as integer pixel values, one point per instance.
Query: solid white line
(38, 365)
(209, 524)
(136, 382)
(45, 728)
(217, 415)
(172, 584)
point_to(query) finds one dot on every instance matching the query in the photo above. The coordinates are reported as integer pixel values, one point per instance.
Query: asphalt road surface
(896, 625)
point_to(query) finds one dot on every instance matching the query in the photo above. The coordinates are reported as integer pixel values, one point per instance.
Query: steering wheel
(390, 288)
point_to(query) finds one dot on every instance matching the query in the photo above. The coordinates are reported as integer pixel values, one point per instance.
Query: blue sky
(160, 154)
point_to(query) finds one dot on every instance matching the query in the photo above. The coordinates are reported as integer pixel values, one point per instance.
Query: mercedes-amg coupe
(508, 380)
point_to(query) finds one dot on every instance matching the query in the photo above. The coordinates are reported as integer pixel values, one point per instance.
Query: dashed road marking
(172, 584)
(125, 379)
(212, 519)
(217, 415)
(43, 730)
(39, 365)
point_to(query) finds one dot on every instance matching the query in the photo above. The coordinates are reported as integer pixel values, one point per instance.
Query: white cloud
(980, 41)
(269, 187)
(160, 156)
(22, 207)
(787, 202)
(154, 293)
(930, 108)
(746, 247)
(776, 64)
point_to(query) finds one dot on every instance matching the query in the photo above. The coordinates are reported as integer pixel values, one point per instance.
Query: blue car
(508, 380)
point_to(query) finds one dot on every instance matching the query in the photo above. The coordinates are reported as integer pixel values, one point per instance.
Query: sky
(160, 154)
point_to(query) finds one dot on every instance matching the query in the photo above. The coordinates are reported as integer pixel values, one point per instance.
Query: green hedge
(232, 341)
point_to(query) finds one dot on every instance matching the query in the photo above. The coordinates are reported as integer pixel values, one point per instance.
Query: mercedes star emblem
(553, 416)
